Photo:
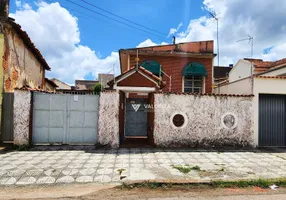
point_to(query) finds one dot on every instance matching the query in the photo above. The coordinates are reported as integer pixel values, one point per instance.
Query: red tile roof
(263, 66)
(273, 77)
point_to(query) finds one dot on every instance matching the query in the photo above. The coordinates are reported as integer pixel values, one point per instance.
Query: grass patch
(263, 183)
(186, 169)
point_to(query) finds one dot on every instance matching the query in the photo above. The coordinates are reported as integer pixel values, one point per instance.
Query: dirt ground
(111, 192)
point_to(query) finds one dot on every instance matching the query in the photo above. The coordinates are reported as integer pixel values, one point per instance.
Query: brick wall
(174, 65)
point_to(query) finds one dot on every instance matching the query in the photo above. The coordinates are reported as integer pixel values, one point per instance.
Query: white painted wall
(108, 122)
(265, 86)
(260, 86)
(240, 70)
(203, 126)
(242, 86)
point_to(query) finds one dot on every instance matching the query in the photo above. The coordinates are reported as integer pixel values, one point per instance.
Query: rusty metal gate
(7, 120)
(65, 119)
(272, 120)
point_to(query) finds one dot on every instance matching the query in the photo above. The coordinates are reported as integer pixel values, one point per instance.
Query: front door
(136, 118)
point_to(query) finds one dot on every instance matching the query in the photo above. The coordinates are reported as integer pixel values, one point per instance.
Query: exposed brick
(174, 65)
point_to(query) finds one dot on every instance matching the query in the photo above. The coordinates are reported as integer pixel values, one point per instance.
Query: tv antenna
(213, 15)
(250, 40)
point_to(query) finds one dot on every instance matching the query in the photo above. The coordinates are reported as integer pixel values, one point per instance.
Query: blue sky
(79, 44)
(105, 35)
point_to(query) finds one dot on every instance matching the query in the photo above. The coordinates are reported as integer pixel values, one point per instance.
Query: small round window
(178, 120)
(229, 120)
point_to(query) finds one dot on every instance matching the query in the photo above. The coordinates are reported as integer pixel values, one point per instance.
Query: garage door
(272, 120)
(65, 119)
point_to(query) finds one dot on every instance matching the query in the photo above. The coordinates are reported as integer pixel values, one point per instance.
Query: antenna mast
(250, 39)
(214, 16)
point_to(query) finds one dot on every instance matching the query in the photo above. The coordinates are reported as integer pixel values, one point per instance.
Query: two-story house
(181, 68)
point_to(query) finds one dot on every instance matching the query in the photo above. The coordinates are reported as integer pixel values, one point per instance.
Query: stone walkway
(92, 165)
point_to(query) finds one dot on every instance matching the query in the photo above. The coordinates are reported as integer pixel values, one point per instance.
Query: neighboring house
(221, 73)
(269, 105)
(50, 85)
(243, 68)
(185, 67)
(104, 79)
(85, 84)
(21, 65)
(61, 85)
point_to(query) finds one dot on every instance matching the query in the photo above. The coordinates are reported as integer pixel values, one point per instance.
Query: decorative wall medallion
(178, 120)
(229, 120)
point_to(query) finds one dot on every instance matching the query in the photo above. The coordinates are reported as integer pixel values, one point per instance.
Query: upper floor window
(193, 84)
(193, 78)
(152, 66)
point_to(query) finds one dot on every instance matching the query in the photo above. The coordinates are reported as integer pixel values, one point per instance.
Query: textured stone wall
(22, 107)
(108, 122)
(204, 121)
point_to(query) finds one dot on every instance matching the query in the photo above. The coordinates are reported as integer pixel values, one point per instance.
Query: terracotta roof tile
(273, 77)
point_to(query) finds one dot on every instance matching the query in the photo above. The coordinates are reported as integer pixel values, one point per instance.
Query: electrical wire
(113, 19)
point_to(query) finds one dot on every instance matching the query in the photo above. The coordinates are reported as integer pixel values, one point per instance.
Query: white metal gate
(65, 119)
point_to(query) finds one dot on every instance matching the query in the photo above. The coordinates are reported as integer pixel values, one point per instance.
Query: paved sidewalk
(92, 165)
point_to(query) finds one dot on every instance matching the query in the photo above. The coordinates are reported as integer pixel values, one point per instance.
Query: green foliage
(97, 88)
(263, 183)
(186, 169)
(121, 170)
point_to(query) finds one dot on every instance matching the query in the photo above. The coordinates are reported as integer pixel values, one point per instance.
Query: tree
(97, 88)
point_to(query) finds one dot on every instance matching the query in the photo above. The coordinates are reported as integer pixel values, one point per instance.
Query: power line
(113, 19)
(121, 17)
(90, 17)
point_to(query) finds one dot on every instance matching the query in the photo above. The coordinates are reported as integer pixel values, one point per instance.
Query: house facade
(181, 68)
(185, 67)
(23, 64)
(269, 103)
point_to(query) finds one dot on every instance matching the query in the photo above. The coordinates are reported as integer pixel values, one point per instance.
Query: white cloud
(276, 52)
(70, 60)
(149, 42)
(237, 21)
(18, 3)
(60, 42)
(175, 30)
